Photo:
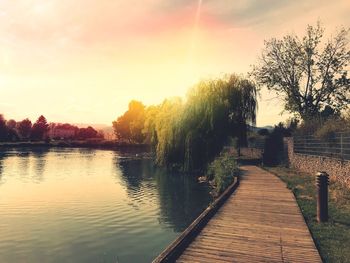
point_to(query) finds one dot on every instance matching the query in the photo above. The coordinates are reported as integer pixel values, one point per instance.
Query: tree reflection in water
(2, 157)
(39, 155)
(181, 198)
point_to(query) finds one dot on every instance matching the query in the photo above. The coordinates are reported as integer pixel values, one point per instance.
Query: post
(322, 196)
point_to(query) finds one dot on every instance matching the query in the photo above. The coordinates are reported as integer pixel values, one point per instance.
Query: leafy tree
(3, 128)
(129, 126)
(24, 128)
(11, 124)
(191, 134)
(165, 129)
(188, 135)
(87, 133)
(309, 75)
(39, 129)
(12, 130)
(149, 127)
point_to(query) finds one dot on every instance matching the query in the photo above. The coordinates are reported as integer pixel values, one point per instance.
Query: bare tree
(310, 75)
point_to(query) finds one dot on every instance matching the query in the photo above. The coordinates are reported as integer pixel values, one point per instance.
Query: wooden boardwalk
(260, 222)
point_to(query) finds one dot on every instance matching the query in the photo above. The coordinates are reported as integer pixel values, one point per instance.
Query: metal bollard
(322, 196)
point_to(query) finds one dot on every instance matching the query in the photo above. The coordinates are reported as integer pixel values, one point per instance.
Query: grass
(332, 238)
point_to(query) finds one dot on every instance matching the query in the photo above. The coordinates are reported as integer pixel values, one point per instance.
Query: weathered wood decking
(260, 222)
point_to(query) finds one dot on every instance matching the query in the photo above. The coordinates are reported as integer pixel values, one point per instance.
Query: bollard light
(322, 182)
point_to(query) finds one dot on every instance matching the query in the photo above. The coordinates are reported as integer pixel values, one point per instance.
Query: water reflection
(2, 157)
(39, 155)
(81, 205)
(180, 197)
(24, 166)
(134, 172)
(88, 154)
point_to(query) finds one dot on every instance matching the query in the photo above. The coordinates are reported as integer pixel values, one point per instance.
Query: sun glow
(55, 52)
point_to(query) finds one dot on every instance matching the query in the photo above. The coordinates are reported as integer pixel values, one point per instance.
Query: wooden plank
(174, 250)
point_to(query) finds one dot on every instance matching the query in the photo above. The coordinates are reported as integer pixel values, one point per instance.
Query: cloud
(95, 48)
(43, 31)
(239, 12)
(82, 21)
(41, 25)
(251, 13)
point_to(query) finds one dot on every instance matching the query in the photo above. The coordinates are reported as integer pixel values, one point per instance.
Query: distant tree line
(25, 130)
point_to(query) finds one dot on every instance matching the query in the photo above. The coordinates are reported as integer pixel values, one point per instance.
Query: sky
(82, 61)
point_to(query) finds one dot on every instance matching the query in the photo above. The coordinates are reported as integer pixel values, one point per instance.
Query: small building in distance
(62, 131)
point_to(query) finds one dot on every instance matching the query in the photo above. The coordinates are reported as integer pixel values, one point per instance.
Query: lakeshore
(92, 144)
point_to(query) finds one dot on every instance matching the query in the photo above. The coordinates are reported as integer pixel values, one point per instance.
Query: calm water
(78, 205)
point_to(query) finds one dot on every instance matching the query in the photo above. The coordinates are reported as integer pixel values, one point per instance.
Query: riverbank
(331, 238)
(93, 144)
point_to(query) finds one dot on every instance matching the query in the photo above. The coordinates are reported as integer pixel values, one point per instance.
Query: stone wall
(338, 170)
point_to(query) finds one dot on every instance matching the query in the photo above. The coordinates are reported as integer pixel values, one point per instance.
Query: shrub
(273, 147)
(330, 127)
(308, 127)
(263, 132)
(222, 171)
(324, 128)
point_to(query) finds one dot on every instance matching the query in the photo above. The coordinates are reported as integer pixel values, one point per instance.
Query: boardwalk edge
(174, 250)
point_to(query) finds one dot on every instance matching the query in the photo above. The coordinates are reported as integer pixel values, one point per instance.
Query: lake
(83, 205)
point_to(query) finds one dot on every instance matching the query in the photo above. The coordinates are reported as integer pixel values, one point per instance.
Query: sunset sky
(82, 61)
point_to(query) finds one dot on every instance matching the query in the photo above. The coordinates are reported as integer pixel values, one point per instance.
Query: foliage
(3, 128)
(69, 131)
(149, 128)
(311, 77)
(330, 127)
(39, 129)
(129, 126)
(188, 135)
(191, 134)
(222, 171)
(332, 238)
(233, 142)
(308, 127)
(274, 144)
(23, 130)
(324, 129)
(263, 132)
(292, 124)
(12, 134)
(87, 133)
(166, 123)
(11, 124)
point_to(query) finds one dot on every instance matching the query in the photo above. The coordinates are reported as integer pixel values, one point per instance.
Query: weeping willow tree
(190, 134)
